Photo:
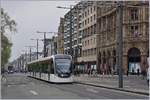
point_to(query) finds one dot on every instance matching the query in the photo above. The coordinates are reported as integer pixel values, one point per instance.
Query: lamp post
(25, 59)
(30, 50)
(45, 54)
(70, 39)
(119, 40)
(37, 45)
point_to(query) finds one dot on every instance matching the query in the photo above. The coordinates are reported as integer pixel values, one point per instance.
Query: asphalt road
(19, 86)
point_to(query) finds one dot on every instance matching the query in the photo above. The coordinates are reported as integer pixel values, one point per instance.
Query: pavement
(131, 83)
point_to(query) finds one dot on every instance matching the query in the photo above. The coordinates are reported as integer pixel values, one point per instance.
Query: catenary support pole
(119, 47)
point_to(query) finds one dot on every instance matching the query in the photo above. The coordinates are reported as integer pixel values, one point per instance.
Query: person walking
(143, 73)
(127, 73)
(138, 72)
(148, 75)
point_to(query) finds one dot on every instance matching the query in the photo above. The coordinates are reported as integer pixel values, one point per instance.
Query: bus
(56, 68)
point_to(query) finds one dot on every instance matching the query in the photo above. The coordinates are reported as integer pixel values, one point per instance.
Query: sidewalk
(132, 83)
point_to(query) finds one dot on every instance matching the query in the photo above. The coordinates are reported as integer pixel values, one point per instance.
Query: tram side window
(48, 68)
(37, 67)
(30, 68)
(44, 68)
(34, 67)
(51, 67)
(40, 67)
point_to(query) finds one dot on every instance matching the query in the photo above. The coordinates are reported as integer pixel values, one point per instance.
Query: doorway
(134, 59)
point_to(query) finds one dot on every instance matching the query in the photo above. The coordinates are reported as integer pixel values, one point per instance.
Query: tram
(56, 68)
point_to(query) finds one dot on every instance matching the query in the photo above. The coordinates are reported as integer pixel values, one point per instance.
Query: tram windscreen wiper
(62, 69)
(63, 66)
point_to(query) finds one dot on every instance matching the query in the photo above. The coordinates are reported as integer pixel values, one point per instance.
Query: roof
(48, 58)
(41, 59)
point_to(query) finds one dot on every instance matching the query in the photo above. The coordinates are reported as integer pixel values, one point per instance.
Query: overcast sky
(32, 16)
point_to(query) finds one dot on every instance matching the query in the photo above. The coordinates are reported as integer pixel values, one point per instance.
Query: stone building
(135, 37)
(60, 40)
(89, 36)
(72, 36)
(51, 47)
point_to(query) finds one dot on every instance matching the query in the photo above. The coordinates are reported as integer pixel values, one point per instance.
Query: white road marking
(33, 92)
(92, 90)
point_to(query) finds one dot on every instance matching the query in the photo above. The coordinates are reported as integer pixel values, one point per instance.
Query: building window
(134, 14)
(85, 32)
(82, 15)
(91, 18)
(85, 22)
(85, 14)
(94, 28)
(94, 8)
(94, 17)
(88, 20)
(88, 31)
(82, 53)
(85, 43)
(91, 9)
(94, 50)
(85, 52)
(94, 40)
(91, 29)
(134, 30)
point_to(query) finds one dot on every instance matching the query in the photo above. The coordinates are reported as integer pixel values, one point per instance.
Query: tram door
(51, 69)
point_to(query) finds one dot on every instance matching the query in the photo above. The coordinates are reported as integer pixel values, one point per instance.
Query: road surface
(19, 86)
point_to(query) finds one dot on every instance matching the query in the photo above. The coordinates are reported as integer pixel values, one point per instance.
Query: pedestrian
(112, 71)
(132, 71)
(148, 75)
(127, 72)
(138, 72)
(88, 71)
(92, 71)
(143, 73)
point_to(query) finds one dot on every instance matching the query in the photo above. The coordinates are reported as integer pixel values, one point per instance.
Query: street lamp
(71, 53)
(119, 39)
(37, 45)
(24, 52)
(30, 50)
(45, 54)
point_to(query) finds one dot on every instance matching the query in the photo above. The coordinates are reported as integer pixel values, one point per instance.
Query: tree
(6, 24)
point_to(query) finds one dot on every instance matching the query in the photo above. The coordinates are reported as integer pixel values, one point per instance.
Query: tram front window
(63, 67)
